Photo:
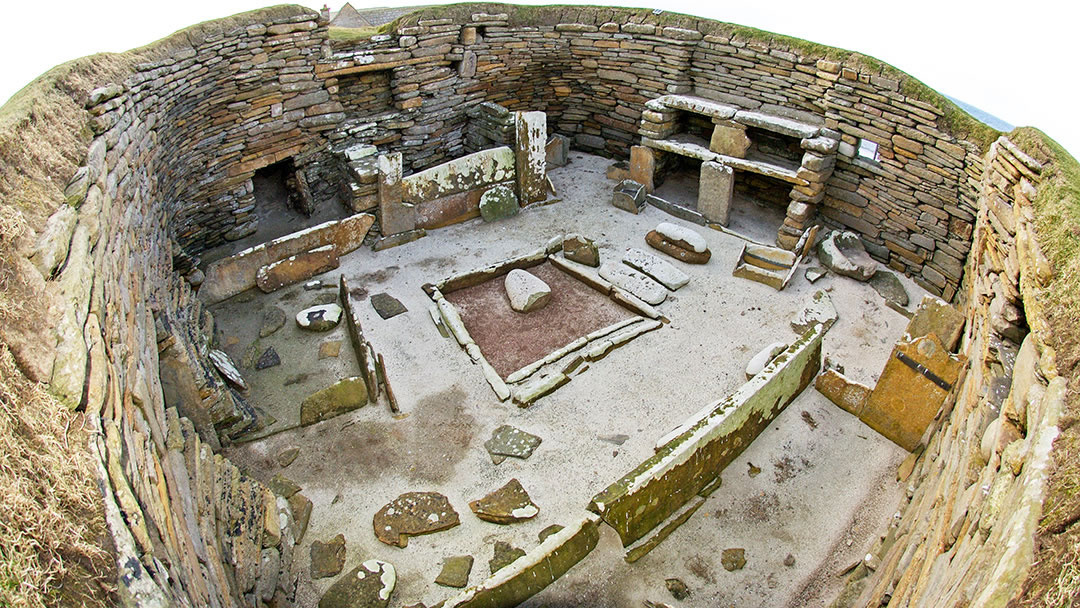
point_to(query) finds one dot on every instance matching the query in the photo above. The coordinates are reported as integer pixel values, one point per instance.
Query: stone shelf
(692, 146)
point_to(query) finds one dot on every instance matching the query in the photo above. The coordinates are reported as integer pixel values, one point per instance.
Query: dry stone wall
(243, 99)
(168, 175)
(966, 534)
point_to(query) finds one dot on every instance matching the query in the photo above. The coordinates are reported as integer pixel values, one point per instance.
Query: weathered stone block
(642, 166)
(463, 174)
(497, 203)
(338, 398)
(395, 215)
(716, 188)
(729, 140)
(531, 156)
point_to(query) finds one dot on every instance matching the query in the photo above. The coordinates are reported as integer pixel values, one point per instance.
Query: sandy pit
(826, 484)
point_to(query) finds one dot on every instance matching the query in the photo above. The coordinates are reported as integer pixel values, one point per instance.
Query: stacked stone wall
(133, 340)
(168, 175)
(966, 534)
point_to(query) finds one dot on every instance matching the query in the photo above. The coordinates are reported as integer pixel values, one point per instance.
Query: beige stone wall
(965, 536)
(167, 172)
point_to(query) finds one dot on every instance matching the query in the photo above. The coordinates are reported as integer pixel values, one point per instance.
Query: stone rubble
(507, 505)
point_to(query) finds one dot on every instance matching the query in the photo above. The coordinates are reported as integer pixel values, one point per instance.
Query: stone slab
(847, 394)
(462, 174)
(387, 306)
(660, 270)
(935, 316)
(638, 284)
(507, 505)
(413, 514)
(531, 156)
(716, 188)
(369, 585)
(395, 214)
(229, 276)
(690, 457)
(296, 268)
(338, 398)
(905, 400)
(510, 441)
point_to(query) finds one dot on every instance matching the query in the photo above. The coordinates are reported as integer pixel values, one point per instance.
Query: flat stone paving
(824, 491)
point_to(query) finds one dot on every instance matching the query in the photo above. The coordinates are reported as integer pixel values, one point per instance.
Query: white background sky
(1016, 60)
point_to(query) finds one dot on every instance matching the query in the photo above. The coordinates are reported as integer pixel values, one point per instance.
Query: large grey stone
(526, 292)
(497, 203)
(889, 287)
(558, 150)
(844, 254)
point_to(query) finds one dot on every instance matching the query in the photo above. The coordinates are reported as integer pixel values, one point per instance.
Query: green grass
(356, 34)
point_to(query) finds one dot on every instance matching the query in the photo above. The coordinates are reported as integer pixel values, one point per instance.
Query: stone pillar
(715, 190)
(530, 155)
(395, 215)
(642, 166)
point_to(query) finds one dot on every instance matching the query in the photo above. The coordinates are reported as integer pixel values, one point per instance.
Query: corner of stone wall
(965, 533)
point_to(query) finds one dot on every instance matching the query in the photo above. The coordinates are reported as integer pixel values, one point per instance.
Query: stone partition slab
(460, 175)
(229, 276)
(530, 574)
(701, 447)
(531, 156)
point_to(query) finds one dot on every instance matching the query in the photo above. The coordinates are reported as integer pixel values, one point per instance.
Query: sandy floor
(826, 485)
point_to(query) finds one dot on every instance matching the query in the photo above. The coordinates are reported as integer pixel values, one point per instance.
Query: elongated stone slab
(296, 268)
(535, 389)
(666, 274)
(532, 572)
(635, 282)
(696, 452)
(460, 175)
(229, 276)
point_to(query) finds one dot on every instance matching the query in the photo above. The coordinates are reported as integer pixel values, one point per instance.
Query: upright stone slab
(395, 215)
(558, 150)
(715, 190)
(642, 166)
(531, 155)
(918, 376)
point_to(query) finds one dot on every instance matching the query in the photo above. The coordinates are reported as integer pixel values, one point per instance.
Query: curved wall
(168, 175)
